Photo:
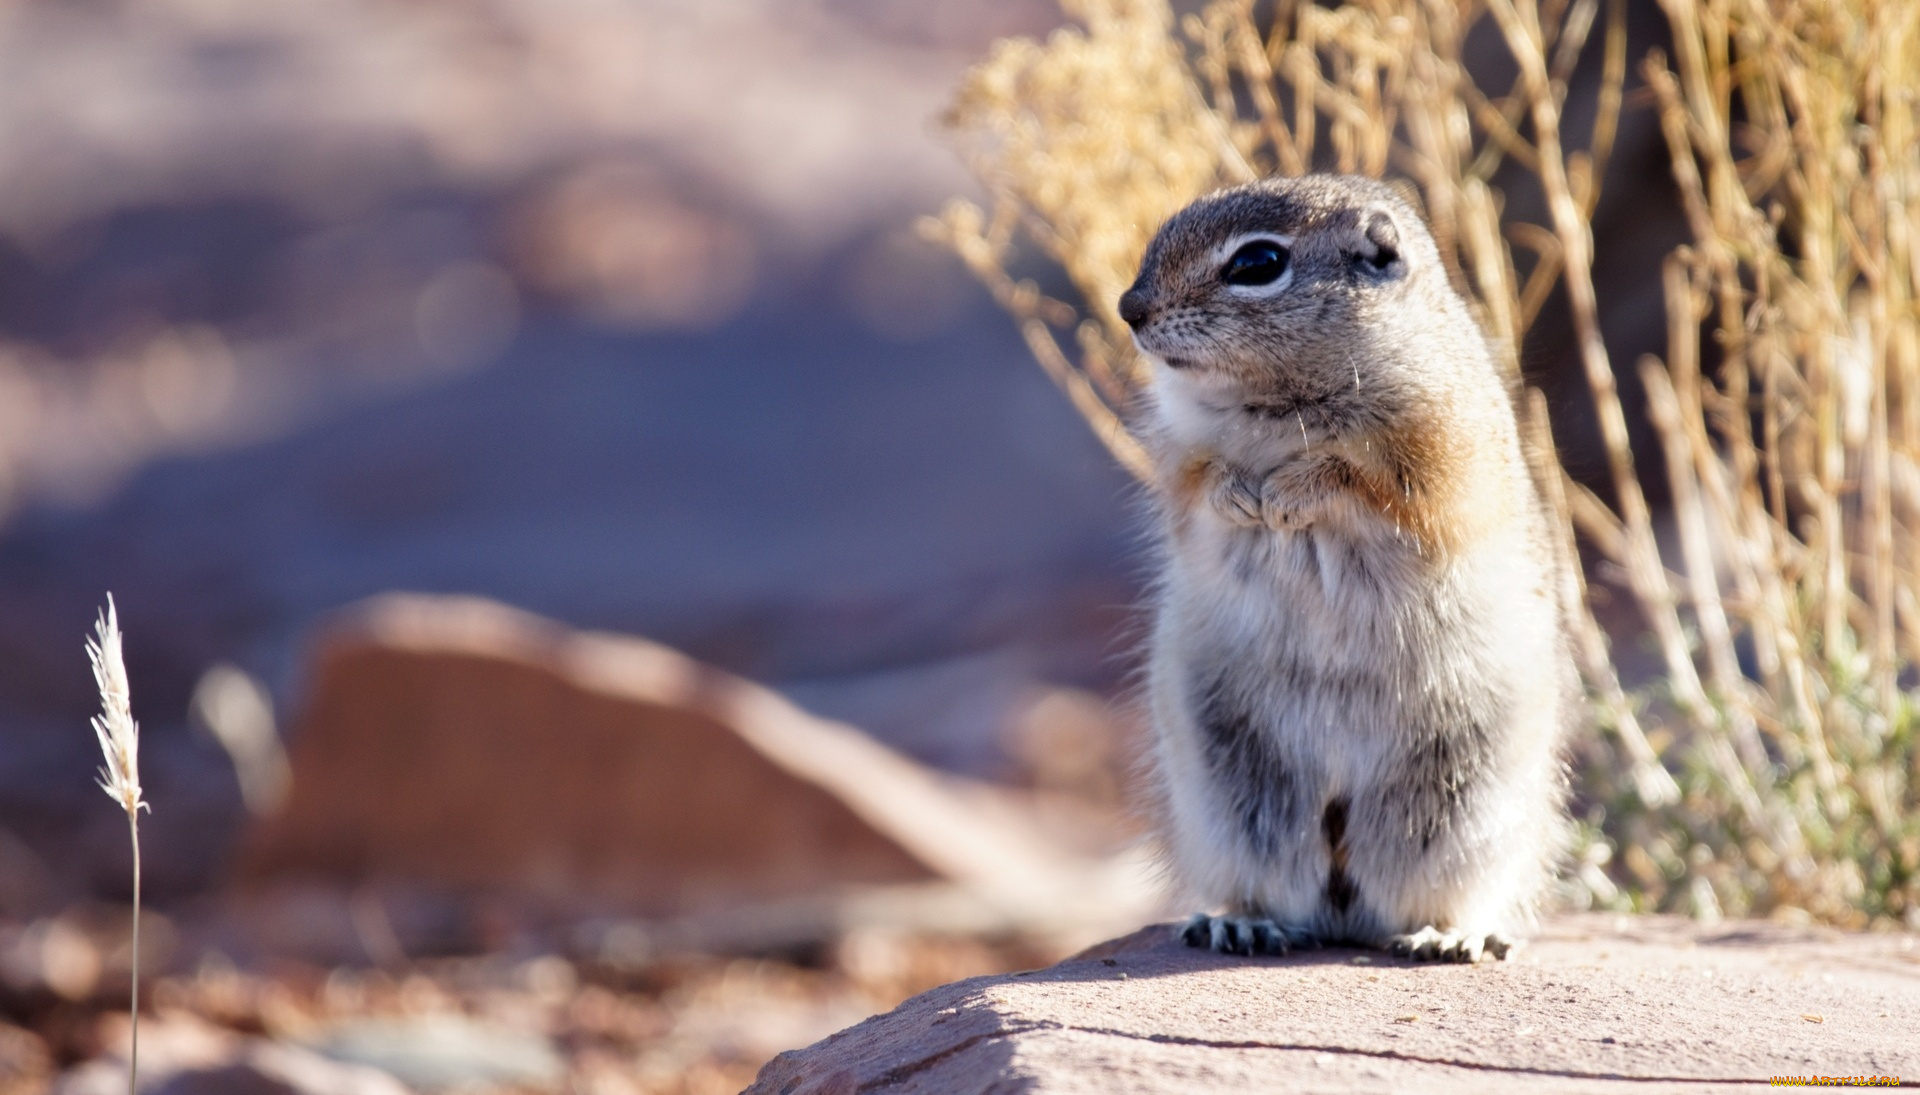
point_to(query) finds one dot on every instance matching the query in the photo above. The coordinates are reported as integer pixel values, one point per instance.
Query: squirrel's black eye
(1258, 263)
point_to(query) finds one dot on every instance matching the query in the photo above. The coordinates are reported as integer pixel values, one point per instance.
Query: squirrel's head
(1289, 286)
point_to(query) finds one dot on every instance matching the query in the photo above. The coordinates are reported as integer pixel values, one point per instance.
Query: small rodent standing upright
(1359, 676)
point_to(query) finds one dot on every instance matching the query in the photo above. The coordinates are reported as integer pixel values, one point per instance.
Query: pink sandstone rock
(457, 744)
(1594, 1004)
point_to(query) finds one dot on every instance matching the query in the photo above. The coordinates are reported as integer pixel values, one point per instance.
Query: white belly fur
(1347, 651)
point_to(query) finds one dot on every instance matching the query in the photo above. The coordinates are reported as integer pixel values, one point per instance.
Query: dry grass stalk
(1791, 542)
(1800, 540)
(120, 778)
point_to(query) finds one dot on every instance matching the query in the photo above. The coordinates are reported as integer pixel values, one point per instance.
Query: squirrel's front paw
(1235, 497)
(1279, 507)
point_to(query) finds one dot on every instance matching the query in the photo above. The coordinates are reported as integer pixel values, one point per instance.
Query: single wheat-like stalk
(120, 778)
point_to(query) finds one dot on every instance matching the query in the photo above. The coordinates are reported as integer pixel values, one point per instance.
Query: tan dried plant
(1087, 141)
(1793, 447)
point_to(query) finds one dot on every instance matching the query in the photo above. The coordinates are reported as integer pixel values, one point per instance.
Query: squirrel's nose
(1133, 307)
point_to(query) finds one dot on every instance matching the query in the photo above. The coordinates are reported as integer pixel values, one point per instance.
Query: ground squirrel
(1359, 675)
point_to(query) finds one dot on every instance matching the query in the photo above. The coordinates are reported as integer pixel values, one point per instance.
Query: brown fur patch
(1446, 484)
(1190, 480)
(1187, 488)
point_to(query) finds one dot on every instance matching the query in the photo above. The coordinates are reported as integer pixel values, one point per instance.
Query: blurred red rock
(458, 744)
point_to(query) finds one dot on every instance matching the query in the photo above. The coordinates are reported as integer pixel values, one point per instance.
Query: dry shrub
(1789, 623)
(1792, 460)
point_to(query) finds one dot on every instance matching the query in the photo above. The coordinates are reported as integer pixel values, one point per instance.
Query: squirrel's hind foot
(1247, 935)
(1430, 944)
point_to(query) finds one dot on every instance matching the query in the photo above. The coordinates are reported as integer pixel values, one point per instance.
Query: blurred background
(608, 310)
(606, 600)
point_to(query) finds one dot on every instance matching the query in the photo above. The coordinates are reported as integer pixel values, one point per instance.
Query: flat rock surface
(1593, 1003)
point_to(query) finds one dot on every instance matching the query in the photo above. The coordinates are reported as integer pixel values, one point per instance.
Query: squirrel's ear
(1374, 238)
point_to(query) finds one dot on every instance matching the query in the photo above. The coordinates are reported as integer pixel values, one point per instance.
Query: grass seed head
(119, 735)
